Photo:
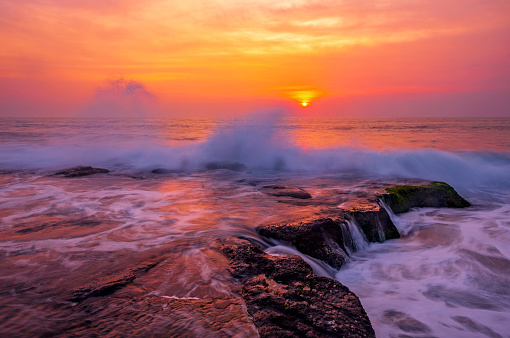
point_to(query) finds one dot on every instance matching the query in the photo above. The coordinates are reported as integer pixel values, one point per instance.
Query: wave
(260, 146)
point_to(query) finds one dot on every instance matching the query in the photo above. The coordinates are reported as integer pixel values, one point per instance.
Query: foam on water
(259, 146)
(447, 276)
(319, 268)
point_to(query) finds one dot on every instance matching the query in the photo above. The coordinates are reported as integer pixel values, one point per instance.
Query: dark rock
(473, 326)
(103, 286)
(375, 224)
(323, 238)
(233, 166)
(162, 171)
(81, 171)
(402, 198)
(405, 322)
(332, 240)
(281, 191)
(250, 260)
(110, 283)
(297, 303)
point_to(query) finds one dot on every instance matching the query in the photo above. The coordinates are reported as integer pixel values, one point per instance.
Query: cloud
(121, 98)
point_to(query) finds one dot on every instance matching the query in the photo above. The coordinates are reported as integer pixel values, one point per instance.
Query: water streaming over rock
(151, 238)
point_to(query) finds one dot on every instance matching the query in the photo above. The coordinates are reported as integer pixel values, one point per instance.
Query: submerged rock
(286, 299)
(233, 166)
(156, 316)
(110, 283)
(162, 171)
(81, 171)
(281, 191)
(402, 198)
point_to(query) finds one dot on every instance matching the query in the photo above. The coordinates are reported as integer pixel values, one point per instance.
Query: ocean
(448, 276)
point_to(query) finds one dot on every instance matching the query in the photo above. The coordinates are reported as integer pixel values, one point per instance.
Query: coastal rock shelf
(286, 299)
(283, 295)
(178, 255)
(356, 225)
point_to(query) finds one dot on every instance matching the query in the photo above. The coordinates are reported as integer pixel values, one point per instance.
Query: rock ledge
(286, 299)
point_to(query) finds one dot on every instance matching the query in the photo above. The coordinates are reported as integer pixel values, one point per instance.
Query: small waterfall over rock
(359, 239)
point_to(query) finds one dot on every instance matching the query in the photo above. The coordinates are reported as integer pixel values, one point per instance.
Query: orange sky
(229, 57)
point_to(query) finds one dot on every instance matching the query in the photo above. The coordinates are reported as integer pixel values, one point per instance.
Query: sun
(304, 96)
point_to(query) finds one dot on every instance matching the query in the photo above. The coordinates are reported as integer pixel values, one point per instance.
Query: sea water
(447, 276)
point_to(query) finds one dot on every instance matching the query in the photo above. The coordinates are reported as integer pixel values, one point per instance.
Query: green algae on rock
(402, 198)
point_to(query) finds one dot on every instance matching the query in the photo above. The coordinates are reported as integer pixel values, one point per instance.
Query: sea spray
(446, 276)
(262, 144)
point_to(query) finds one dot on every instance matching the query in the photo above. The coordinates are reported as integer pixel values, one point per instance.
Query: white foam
(262, 146)
(449, 268)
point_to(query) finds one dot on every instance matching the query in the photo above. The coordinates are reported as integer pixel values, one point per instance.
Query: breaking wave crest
(260, 146)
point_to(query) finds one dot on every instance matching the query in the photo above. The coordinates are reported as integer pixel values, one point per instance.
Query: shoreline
(124, 282)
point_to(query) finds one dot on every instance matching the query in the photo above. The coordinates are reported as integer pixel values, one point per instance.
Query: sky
(215, 58)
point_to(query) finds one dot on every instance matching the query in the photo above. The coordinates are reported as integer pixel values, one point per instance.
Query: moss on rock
(402, 198)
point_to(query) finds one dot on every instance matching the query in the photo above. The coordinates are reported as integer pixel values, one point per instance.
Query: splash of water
(259, 144)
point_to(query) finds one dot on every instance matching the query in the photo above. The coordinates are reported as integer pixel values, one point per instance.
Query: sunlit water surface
(447, 276)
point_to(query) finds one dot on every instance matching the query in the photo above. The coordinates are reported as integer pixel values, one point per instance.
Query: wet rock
(162, 171)
(281, 191)
(405, 322)
(111, 283)
(233, 166)
(81, 171)
(474, 326)
(333, 240)
(250, 260)
(322, 238)
(286, 299)
(376, 224)
(165, 171)
(402, 198)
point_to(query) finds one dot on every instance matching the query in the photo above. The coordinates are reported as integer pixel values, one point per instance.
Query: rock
(332, 240)
(360, 222)
(154, 316)
(102, 287)
(162, 171)
(81, 171)
(286, 299)
(233, 166)
(322, 238)
(376, 224)
(280, 191)
(250, 260)
(402, 198)
(110, 283)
